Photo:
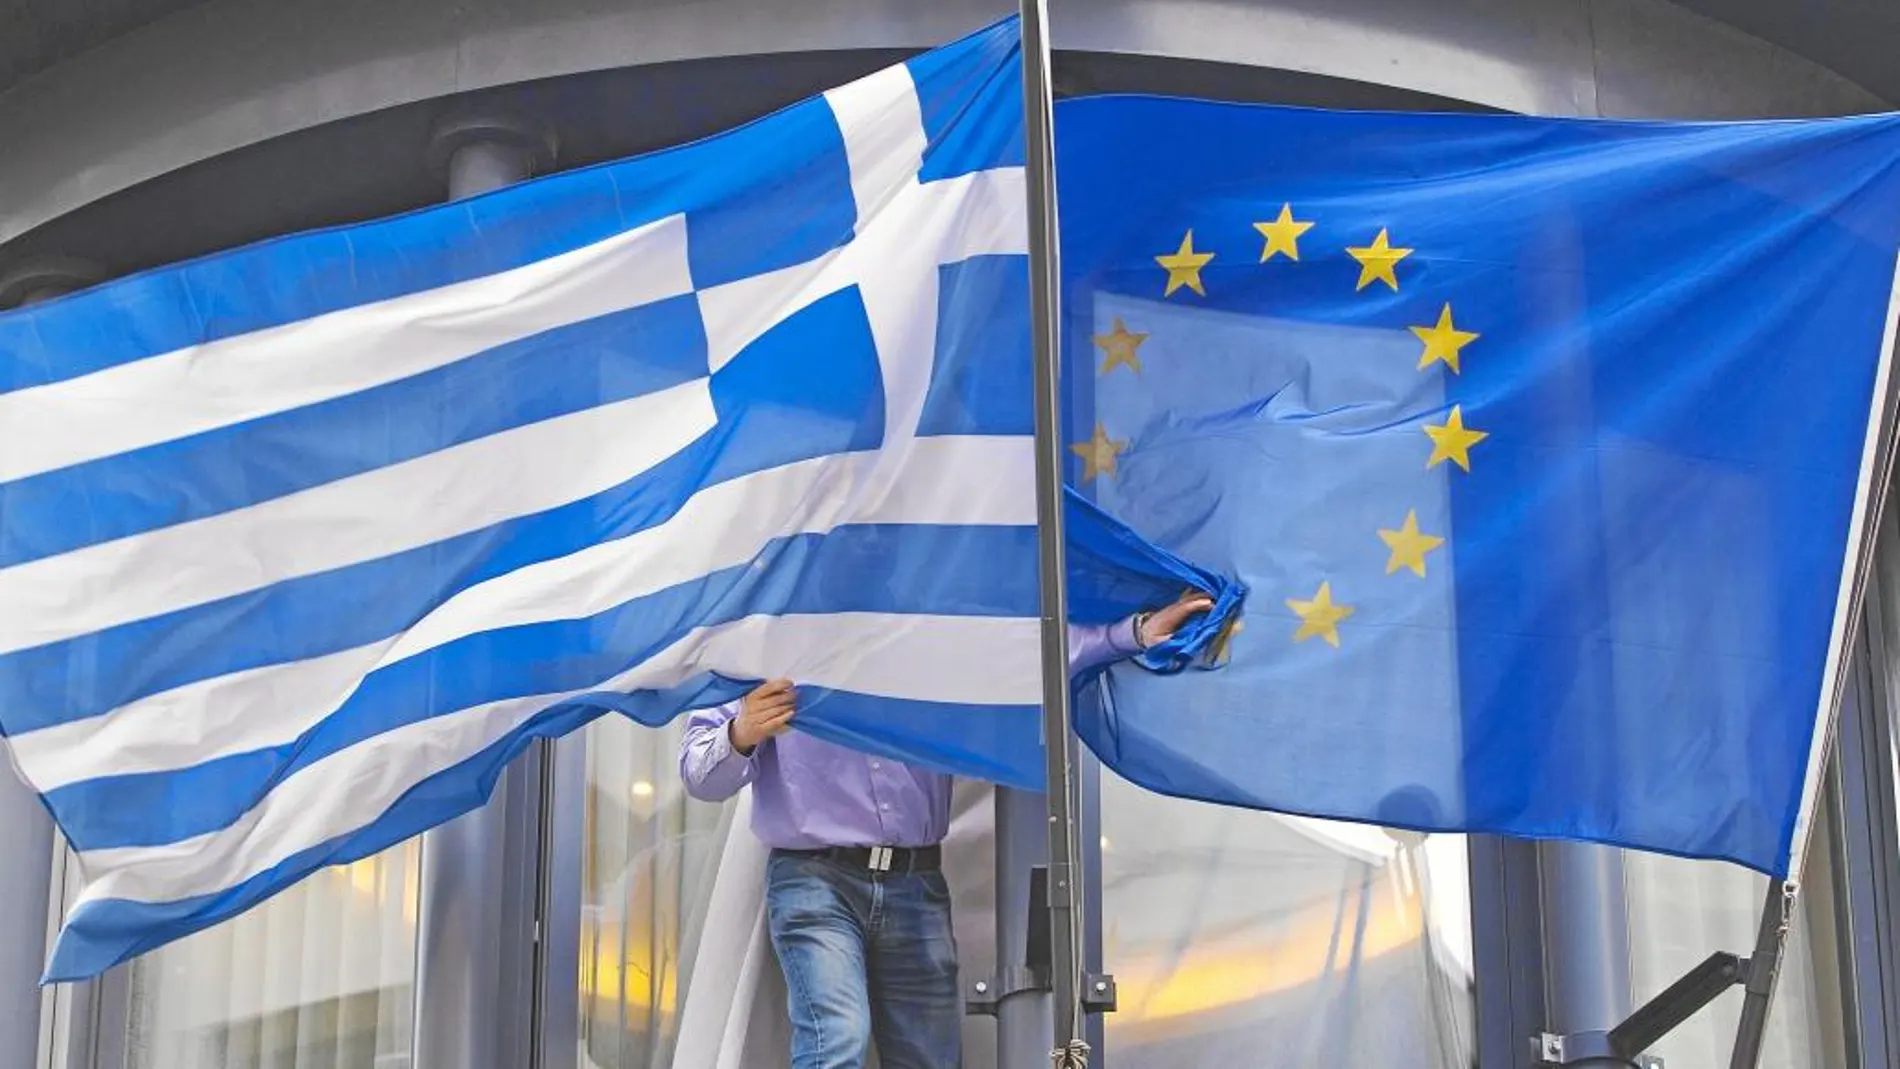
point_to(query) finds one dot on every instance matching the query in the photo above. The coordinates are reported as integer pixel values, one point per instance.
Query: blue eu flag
(1538, 443)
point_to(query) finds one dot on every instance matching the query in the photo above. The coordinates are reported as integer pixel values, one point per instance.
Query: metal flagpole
(1764, 968)
(1876, 470)
(1070, 1051)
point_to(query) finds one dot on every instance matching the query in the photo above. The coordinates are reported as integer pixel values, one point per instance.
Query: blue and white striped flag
(301, 543)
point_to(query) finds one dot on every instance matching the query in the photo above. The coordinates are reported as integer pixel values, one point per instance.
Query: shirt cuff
(1121, 638)
(724, 751)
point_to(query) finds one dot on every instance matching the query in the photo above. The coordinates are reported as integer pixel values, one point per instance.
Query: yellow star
(1184, 267)
(1098, 454)
(1319, 616)
(1442, 342)
(1409, 546)
(1376, 261)
(1283, 235)
(1120, 345)
(1453, 440)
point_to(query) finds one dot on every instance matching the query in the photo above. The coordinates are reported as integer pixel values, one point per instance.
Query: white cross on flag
(304, 541)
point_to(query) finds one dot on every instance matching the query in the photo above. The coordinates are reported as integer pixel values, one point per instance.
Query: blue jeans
(866, 956)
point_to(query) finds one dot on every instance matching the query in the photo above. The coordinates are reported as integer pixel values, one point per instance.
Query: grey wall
(224, 74)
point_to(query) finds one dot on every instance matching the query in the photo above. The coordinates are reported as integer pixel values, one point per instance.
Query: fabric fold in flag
(302, 542)
(1114, 572)
(1542, 447)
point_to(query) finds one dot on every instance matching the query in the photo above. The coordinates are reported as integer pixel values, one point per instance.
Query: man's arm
(716, 754)
(1092, 647)
(711, 769)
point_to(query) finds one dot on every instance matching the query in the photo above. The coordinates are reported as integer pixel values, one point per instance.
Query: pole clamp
(1594, 1048)
(986, 996)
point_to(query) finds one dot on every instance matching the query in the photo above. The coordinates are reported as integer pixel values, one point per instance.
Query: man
(855, 901)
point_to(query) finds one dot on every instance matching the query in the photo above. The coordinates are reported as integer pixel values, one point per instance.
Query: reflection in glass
(675, 966)
(1680, 912)
(1233, 933)
(649, 859)
(320, 977)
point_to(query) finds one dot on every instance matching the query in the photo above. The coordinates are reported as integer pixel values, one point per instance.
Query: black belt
(896, 859)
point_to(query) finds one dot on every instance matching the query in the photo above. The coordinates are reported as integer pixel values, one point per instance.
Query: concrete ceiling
(1859, 39)
(283, 185)
(37, 34)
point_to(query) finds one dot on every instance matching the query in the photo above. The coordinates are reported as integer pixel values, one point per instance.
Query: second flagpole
(1069, 1051)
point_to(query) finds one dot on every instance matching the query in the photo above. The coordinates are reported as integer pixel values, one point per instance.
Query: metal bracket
(986, 995)
(1679, 1001)
(1594, 1047)
(1098, 989)
(1658, 1017)
(1098, 993)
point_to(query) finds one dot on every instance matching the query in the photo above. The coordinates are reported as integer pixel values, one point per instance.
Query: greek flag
(301, 543)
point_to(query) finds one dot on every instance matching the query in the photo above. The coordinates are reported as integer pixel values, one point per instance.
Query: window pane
(1683, 911)
(1233, 933)
(320, 977)
(651, 855)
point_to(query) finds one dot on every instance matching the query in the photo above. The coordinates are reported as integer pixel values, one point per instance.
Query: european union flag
(1540, 444)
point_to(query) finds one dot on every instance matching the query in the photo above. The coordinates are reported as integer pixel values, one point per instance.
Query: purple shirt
(808, 793)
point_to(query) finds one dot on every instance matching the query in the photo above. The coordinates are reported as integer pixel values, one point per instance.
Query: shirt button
(886, 807)
(875, 766)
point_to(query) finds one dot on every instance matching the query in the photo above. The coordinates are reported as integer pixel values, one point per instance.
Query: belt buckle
(880, 860)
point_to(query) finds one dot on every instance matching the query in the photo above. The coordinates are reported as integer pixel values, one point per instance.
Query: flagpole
(1878, 455)
(1065, 970)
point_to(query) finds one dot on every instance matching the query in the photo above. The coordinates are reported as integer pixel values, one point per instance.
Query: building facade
(591, 916)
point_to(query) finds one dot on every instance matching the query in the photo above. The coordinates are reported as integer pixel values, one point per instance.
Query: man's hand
(1159, 626)
(765, 712)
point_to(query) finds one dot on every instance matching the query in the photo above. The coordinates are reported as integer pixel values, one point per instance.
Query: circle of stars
(1443, 343)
